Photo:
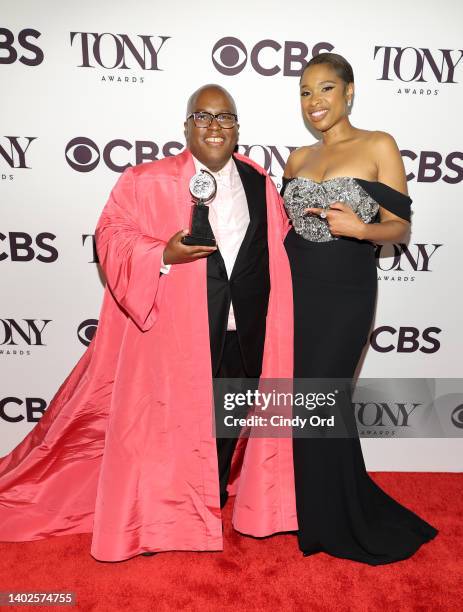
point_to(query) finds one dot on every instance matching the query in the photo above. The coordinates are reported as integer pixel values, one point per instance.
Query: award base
(191, 240)
(200, 231)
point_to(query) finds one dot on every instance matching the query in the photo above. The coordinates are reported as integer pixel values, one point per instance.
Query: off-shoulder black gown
(340, 510)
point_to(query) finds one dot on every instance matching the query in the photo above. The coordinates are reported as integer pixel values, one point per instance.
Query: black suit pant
(231, 366)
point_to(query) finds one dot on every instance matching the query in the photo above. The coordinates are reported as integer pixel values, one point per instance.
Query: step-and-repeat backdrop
(90, 88)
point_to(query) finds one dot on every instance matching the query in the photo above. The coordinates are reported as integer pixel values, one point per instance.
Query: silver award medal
(203, 186)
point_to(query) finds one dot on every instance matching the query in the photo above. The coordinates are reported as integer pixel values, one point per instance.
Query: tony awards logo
(203, 188)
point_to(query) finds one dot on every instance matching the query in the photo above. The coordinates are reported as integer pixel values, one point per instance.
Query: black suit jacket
(248, 286)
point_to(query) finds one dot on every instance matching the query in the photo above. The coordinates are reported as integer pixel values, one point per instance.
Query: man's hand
(176, 252)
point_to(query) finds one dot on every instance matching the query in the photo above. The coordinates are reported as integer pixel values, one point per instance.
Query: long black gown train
(340, 509)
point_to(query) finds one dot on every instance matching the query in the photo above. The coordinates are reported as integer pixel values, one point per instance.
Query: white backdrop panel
(127, 105)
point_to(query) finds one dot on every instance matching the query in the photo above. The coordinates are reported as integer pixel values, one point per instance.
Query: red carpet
(256, 575)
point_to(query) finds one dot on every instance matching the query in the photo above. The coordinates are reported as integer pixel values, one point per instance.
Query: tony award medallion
(203, 188)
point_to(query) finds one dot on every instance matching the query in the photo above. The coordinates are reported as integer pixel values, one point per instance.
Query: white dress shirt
(229, 219)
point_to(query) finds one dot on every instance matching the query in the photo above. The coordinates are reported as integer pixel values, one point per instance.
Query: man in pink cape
(126, 449)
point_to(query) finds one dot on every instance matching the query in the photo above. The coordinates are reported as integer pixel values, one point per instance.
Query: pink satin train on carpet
(125, 449)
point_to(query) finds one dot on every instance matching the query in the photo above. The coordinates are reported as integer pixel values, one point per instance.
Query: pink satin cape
(125, 450)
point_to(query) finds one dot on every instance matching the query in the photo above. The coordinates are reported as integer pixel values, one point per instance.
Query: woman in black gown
(336, 220)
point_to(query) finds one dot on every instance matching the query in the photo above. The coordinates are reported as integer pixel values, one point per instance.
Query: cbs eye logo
(230, 56)
(457, 416)
(86, 331)
(82, 154)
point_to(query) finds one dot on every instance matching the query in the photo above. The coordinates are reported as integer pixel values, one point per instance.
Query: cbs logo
(230, 56)
(21, 247)
(83, 154)
(457, 416)
(33, 55)
(432, 167)
(33, 407)
(385, 339)
(86, 331)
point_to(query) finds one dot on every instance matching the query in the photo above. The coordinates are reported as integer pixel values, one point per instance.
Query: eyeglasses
(204, 119)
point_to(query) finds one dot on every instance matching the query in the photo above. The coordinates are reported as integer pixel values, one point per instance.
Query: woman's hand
(342, 220)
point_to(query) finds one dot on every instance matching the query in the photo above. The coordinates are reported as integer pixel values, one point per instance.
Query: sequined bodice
(301, 193)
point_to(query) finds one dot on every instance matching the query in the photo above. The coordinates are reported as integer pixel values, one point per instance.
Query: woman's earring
(349, 103)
